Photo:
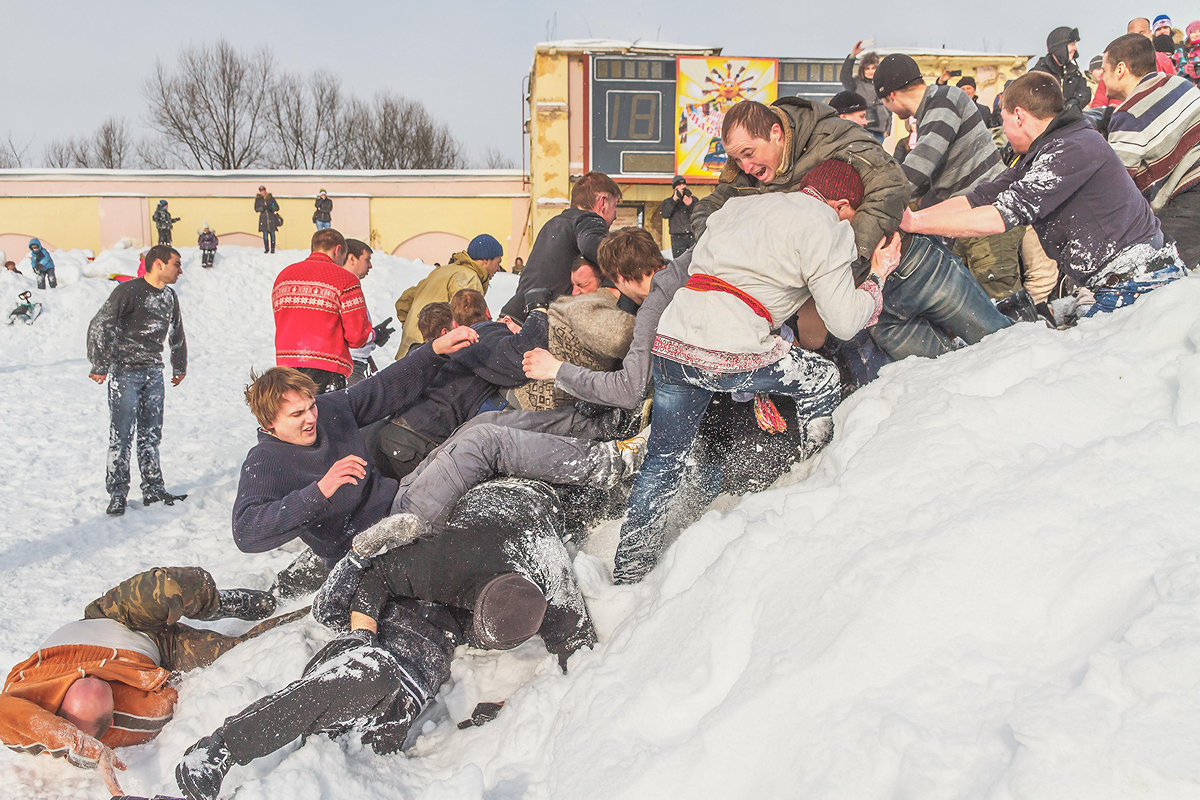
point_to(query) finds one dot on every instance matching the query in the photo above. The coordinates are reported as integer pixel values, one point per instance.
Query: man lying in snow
(497, 576)
(102, 682)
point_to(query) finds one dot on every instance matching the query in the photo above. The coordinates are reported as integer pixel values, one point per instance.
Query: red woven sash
(710, 283)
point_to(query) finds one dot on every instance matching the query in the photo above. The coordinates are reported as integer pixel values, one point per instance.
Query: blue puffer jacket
(39, 259)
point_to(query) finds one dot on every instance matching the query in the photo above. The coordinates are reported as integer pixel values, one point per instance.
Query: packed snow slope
(987, 587)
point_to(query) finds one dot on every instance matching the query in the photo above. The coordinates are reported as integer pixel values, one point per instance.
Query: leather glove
(383, 332)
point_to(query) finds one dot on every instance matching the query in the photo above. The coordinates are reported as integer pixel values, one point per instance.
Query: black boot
(116, 506)
(1018, 307)
(248, 604)
(205, 764)
(160, 494)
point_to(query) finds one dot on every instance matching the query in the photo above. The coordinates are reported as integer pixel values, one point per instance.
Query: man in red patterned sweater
(320, 314)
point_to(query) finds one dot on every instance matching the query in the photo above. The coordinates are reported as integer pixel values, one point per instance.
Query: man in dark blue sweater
(311, 475)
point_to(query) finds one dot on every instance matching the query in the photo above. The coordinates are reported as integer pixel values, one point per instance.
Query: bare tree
(303, 117)
(11, 156)
(211, 111)
(111, 145)
(494, 159)
(68, 153)
(395, 133)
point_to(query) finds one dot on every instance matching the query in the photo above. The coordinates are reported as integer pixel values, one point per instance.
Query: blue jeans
(135, 399)
(681, 395)
(929, 295)
(1110, 298)
(268, 240)
(323, 225)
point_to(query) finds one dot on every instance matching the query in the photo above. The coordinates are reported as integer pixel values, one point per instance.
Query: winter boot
(304, 575)
(1018, 306)
(628, 454)
(394, 531)
(116, 506)
(247, 604)
(159, 493)
(815, 433)
(205, 764)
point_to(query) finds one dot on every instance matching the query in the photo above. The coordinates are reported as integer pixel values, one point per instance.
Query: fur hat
(895, 72)
(483, 247)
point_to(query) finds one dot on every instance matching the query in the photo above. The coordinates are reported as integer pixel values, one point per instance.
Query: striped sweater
(1156, 134)
(954, 151)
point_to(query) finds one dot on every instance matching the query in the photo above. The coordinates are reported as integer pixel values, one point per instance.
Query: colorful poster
(705, 87)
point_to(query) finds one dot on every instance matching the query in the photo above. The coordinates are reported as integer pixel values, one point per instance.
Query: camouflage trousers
(154, 601)
(994, 260)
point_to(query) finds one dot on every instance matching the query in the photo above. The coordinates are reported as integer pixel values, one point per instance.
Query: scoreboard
(632, 100)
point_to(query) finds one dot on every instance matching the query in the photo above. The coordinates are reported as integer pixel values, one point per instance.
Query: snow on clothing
(573, 233)
(627, 387)
(163, 221)
(42, 264)
(592, 330)
(1075, 192)
(1074, 84)
(812, 133)
(457, 391)
(954, 151)
(320, 313)
(461, 272)
(879, 119)
(1156, 134)
(781, 249)
(128, 331)
(147, 606)
(278, 499)
(324, 212)
(135, 403)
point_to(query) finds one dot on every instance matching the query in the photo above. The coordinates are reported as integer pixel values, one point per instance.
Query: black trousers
(1180, 221)
(326, 381)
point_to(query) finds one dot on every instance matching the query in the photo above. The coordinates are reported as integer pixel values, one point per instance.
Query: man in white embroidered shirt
(760, 259)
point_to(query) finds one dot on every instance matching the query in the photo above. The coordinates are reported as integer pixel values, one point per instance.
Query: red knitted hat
(834, 180)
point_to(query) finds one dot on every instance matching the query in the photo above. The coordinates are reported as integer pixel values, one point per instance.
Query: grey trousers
(564, 421)
(480, 452)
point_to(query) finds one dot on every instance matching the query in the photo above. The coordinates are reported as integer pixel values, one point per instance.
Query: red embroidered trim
(717, 360)
(711, 283)
(872, 288)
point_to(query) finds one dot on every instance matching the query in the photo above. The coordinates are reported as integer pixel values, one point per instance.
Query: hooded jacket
(1058, 62)
(813, 132)
(39, 260)
(462, 272)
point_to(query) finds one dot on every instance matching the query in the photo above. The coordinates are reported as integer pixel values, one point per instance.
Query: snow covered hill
(988, 586)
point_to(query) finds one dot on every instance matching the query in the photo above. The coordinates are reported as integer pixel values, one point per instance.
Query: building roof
(622, 46)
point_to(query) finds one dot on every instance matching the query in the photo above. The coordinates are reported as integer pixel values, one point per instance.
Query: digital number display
(634, 116)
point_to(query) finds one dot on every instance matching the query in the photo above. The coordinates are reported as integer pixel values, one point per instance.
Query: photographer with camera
(678, 210)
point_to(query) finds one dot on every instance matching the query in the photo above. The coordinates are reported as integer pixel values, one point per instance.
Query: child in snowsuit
(208, 245)
(164, 222)
(26, 310)
(1187, 57)
(42, 264)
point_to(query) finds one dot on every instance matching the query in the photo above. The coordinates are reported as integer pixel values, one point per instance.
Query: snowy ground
(989, 586)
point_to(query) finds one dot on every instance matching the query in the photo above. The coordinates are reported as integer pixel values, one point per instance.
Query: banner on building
(705, 88)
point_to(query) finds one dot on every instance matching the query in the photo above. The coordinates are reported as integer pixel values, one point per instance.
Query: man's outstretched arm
(955, 218)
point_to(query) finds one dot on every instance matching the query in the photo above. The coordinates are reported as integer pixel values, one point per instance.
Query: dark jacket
(207, 241)
(278, 499)
(572, 233)
(324, 210)
(814, 133)
(879, 119)
(267, 208)
(1078, 196)
(499, 526)
(1074, 85)
(471, 375)
(678, 215)
(163, 219)
(127, 332)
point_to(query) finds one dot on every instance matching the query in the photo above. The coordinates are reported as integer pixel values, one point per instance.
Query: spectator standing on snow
(879, 121)
(320, 314)
(268, 217)
(105, 681)
(358, 263)
(954, 153)
(163, 221)
(42, 264)
(1075, 192)
(677, 210)
(124, 345)
(207, 242)
(323, 216)
(576, 231)
(1187, 56)
(1155, 131)
(1062, 49)
(472, 268)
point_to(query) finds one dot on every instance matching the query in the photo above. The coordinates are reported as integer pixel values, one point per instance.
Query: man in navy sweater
(311, 475)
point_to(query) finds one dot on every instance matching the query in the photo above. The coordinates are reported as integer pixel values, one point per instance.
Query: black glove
(483, 713)
(537, 298)
(383, 332)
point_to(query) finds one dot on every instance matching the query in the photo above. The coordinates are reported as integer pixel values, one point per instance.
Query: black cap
(1061, 37)
(848, 102)
(508, 610)
(895, 72)
(678, 180)
(1163, 43)
(966, 80)
(1096, 63)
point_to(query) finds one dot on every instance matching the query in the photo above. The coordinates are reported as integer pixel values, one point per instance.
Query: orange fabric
(34, 691)
(711, 283)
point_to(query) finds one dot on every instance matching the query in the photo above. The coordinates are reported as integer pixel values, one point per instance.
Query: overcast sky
(69, 64)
